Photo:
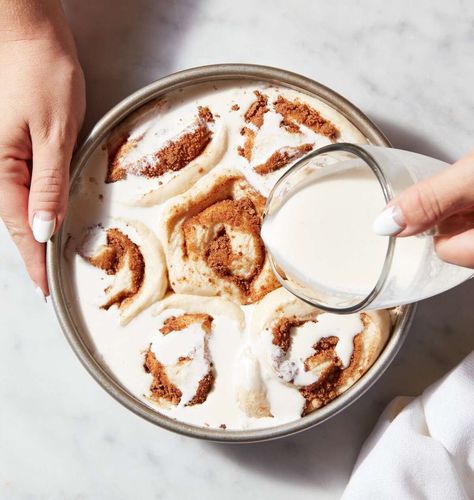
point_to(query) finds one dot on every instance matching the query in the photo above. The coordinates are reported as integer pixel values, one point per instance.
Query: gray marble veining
(409, 66)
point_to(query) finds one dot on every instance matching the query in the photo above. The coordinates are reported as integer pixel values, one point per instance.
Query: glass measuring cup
(403, 270)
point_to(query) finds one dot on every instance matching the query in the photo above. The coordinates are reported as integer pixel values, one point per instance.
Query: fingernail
(40, 293)
(389, 223)
(43, 226)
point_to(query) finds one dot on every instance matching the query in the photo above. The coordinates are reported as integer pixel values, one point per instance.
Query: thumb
(426, 203)
(49, 187)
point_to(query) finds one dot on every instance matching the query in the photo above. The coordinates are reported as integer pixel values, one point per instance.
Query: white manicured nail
(389, 222)
(40, 293)
(43, 226)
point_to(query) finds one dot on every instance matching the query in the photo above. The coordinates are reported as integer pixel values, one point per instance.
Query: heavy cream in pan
(169, 275)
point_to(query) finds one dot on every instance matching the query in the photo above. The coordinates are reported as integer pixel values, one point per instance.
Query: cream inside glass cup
(318, 230)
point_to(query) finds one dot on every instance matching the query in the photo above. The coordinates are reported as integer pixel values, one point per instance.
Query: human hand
(41, 108)
(446, 201)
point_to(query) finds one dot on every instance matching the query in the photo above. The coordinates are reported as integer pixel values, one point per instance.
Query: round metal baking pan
(65, 312)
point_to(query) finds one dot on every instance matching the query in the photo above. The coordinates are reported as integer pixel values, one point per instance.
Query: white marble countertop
(409, 66)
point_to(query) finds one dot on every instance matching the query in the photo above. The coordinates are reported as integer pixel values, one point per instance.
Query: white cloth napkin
(422, 448)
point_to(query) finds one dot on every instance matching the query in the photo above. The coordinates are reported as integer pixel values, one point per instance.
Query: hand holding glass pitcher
(364, 227)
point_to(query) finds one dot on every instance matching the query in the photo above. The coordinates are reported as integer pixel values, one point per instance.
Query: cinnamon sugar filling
(178, 323)
(172, 157)
(249, 141)
(203, 390)
(120, 251)
(282, 157)
(281, 332)
(116, 155)
(290, 126)
(161, 388)
(257, 110)
(254, 116)
(205, 114)
(303, 114)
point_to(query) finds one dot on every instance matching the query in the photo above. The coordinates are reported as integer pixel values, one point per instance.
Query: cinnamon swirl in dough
(179, 361)
(212, 243)
(320, 354)
(132, 257)
(150, 166)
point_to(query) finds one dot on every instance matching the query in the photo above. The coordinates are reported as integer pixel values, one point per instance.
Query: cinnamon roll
(318, 353)
(132, 258)
(147, 166)
(212, 243)
(179, 361)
